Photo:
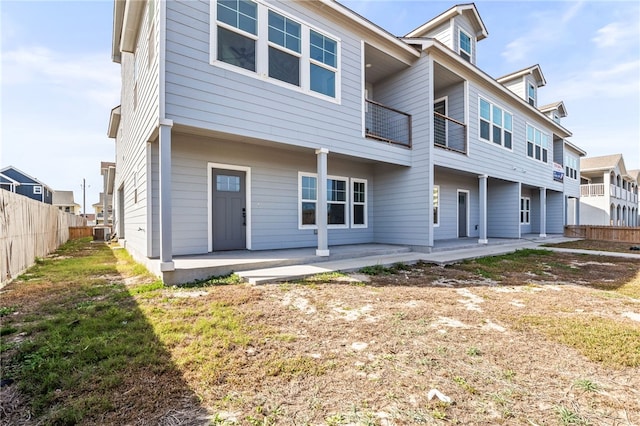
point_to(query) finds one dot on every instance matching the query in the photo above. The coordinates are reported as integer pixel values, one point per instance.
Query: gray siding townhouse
(256, 125)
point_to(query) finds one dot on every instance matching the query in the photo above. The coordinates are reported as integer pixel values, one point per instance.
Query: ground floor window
(525, 210)
(342, 204)
(436, 205)
(359, 203)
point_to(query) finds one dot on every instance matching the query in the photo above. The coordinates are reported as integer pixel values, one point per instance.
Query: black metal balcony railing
(449, 133)
(387, 124)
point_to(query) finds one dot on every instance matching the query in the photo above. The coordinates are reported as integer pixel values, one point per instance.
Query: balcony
(592, 190)
(387, 124)
(449, 133)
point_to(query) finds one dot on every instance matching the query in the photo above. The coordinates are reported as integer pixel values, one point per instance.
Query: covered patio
(198, 267)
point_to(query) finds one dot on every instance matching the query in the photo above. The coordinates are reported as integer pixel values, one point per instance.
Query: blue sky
(58, 83)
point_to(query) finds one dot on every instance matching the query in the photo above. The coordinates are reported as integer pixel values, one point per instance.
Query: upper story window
(496, 124)
(531, 94)
(571, 166)
(37, 189)
(237, 33)
(265, 41)
(284, 49)
(537, 144)
(464, 45)
(556, 117)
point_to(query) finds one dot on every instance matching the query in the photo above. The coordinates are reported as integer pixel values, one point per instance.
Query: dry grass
(614, 246)
(531, 338)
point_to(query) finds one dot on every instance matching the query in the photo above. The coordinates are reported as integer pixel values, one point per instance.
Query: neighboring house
(108, 172)
(15, 180)
(264, 125)
(99, 209)
(609, 193)
(91, 219)
(64, 201)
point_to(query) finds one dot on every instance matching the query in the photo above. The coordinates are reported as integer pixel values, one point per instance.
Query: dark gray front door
(229, 210)
(462, 214)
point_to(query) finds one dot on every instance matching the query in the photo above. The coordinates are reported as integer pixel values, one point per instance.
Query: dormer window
(556, 117)
(531, 94)
(464, 45)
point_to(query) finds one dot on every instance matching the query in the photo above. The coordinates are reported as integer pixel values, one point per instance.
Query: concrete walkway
(293, 272)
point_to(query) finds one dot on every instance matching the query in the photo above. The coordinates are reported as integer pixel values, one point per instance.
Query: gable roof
(535, 70)
(605, 162)
(19, 176)
(7, 180)
(468, 9)
(63, 198)
(559, 106)
(635, 175)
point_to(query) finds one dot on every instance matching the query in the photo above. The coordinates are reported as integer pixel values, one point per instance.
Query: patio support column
(482, 238)
(166, 253)
(321, 211)
(543, 212)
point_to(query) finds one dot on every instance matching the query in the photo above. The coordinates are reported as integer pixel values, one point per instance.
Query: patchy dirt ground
(471, 344)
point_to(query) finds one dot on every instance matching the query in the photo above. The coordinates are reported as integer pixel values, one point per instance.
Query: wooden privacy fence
(29, 229)
(623, 234)
(76, 232)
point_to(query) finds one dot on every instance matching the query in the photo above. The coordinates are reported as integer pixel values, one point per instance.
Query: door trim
(467, 209)
(247, 185)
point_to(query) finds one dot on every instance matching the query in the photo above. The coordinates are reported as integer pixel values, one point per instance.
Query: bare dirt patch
(482, 342)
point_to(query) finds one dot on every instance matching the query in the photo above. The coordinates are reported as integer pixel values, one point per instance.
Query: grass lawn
(531, 338)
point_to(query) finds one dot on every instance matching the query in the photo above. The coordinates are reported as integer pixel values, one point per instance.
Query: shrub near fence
(29, 229)
(624, 234)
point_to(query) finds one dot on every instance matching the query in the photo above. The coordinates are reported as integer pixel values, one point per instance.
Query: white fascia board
(429, 44)
(131, 25)
(348, 13)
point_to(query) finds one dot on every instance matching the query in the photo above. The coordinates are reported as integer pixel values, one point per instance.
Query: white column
(166, 249)
(482, 238)
(543, 212)
(321, 210)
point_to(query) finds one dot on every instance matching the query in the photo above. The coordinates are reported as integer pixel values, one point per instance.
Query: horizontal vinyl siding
(139, 117)
(274, 193)
(207, 96)
(503, 209)
(402, 195)
(449, 186)
(493, 160)
(555, 212)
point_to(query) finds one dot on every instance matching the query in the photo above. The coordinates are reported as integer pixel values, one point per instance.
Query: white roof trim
(369, 25)
(429, 43)
(447, 15)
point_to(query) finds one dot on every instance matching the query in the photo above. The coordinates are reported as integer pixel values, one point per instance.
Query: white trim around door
(247, 170)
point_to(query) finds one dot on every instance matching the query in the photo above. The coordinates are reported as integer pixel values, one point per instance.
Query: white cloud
(91, 75)
(617, 34)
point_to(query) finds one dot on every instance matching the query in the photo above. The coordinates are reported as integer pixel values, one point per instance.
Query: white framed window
(308, 195)
(345, 207)
(496, 124)
(537, 144)
(260, 40)
(531, 94)
(37, 189)
(571, 167)
(359, 211)
(525, 210)
(464, 45)
(436, 205)
(556, 117)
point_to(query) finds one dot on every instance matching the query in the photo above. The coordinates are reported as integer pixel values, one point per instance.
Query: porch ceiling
(379, 65)
(444, 78)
